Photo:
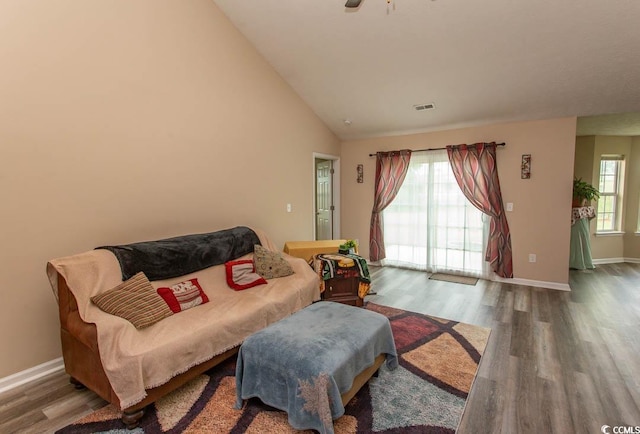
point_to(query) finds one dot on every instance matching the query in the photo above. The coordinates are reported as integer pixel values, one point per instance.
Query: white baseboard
(517, 281)
(31, 374)
(535, 283)
(564, 286)
(616, 261)
(608, 261)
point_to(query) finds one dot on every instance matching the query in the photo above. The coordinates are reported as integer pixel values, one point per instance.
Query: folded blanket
(172, 257)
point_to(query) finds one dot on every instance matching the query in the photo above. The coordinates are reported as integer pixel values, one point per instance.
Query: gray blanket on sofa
(173, 257)
(303, 363)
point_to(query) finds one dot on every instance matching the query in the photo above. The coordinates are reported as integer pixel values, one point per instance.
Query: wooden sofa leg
(131, 419)
(78, 385)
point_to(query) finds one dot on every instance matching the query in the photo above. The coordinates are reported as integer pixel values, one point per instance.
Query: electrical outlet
(288, 207)
(509, 206)
(532, 257)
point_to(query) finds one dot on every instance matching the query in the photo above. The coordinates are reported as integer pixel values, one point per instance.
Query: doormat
(465, 280)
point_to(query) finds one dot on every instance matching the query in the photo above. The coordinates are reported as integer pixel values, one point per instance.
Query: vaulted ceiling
(478, 62)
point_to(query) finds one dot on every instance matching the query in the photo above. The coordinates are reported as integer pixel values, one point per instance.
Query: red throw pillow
(242, 274)
(183, 295)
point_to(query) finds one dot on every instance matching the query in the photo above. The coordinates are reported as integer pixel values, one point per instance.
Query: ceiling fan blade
(352, 3)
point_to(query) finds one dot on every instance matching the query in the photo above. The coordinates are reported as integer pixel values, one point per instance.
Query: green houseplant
(583, 192)
(348, 247)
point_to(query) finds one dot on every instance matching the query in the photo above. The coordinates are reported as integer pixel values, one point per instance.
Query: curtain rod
(436, 149)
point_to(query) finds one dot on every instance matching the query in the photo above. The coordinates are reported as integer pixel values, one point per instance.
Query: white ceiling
(621, 124)
(479, 62)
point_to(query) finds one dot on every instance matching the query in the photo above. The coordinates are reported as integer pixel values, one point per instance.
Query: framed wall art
(525, 169)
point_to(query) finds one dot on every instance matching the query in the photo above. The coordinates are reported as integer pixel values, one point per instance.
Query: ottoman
(306, 364)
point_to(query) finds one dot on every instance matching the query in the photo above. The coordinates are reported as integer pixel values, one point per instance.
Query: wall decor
(360, 174)
(525, 169)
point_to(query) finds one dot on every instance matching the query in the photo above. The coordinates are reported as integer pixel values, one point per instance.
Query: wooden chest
(343, 290)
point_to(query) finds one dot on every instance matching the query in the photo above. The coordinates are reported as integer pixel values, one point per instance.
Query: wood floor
(556, 362)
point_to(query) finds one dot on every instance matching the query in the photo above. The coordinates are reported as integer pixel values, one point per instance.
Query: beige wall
(540, 221)
(124, 121)
(583, 162)
(631, 240)
(609, 247)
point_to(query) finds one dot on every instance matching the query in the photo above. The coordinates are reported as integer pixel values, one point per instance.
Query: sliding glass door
(431, 225)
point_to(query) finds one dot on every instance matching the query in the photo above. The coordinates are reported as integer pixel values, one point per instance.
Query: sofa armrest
(80, 346)
(70, 318)
(66, 301)
(82, 331)
(82, 358)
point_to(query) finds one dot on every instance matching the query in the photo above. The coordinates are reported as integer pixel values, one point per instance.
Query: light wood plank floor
(556, 362)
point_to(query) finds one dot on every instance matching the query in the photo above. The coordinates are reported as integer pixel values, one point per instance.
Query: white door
(324, 200)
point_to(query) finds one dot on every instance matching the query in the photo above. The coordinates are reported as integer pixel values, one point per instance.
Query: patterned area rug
(425, 394)
(465, 280)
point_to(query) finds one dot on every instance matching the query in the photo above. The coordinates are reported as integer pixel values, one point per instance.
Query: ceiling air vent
(421, 107)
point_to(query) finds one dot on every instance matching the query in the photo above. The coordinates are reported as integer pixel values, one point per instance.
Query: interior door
(324, 200)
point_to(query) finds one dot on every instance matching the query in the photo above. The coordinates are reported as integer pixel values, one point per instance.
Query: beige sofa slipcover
(132, 367)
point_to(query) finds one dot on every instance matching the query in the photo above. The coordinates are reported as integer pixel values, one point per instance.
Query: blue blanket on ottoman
(303, 363)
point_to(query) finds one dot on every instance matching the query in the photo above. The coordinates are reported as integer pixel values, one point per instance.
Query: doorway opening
(326, 197)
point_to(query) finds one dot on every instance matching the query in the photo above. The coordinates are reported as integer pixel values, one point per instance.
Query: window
(610, 187)
(430, 225)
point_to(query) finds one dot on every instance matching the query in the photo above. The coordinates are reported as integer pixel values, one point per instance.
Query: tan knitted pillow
(134, 300)
(270, 264)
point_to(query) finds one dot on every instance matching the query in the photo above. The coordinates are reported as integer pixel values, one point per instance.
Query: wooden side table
(343, 290)
(307, 249)
(344, 278)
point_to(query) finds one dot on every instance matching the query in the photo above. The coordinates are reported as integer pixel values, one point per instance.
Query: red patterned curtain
(391, 168)
(476, 171)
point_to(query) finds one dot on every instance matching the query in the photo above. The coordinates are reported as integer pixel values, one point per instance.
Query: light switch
(509, 206)
(288, 207)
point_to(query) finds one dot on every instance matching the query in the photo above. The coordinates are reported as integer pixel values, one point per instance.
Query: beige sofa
(131, 367)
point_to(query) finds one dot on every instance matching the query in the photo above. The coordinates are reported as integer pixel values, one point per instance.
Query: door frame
(335, 186)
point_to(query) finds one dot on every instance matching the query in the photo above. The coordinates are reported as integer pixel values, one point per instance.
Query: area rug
(465, 280)
(425, 394)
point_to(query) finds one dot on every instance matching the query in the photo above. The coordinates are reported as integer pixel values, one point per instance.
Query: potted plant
(583, 192)
(348, 247)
